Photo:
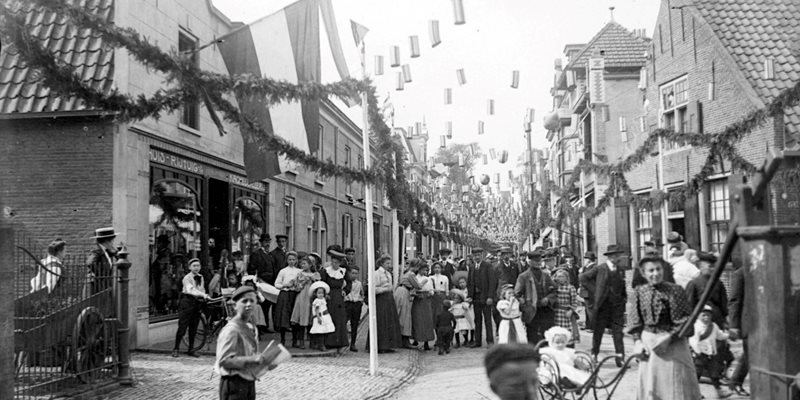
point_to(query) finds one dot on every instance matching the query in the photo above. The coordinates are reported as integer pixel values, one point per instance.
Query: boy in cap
(513, 371)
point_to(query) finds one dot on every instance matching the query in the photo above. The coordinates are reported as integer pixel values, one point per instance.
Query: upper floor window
(191, 109)
(348, 189)
(674, 98)
(321, 140)
(288, 221)
(718, 214)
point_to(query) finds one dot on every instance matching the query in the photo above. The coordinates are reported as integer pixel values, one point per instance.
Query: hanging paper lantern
(504, 157)
(480, 127)
(510, 175)
(492, 153)
(394, 56)
(458, 12)
(497, 178)
(400, 81)
(448, 128)
(433, 32)
(485, 159)
(442, 141)
(490, 107)
(515, 79)
(448, 96)
(464, 188)
(407, 73)
(414, 41)
(484, 179)
(460, 160)
(378, 65)
(462, 78)
(530, 113)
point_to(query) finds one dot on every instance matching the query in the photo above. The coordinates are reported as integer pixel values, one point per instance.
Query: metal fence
(65, 335)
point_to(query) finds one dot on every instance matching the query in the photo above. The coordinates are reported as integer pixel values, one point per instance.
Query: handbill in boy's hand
(273, 355)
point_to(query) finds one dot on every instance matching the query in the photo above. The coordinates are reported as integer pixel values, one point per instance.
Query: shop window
(288, 221)
(718, 213)
(175, 236)
(674, 99)
(644, 227)
(190, 110)
(248, 220)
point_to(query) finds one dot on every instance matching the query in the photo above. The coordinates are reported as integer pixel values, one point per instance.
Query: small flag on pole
(406, 73)
(414, 41)
(480, 127)
(378, 65)
(462, 78)
(400, 82)
(448, 96)
(433, 31)
(359, 31)
(458, 11)
(515, 79)
(394, 56)
(490, 107)
(448, 128)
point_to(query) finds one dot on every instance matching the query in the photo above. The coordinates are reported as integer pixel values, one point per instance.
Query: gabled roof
(21, 90)
(754, 30)
(621, 48)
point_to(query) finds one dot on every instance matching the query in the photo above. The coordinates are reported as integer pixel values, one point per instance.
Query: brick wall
(57, 178)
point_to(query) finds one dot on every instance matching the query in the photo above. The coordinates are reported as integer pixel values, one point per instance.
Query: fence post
(123, 266)
(7, 270)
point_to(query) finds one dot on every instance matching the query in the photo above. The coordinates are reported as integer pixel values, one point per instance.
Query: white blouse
(287, 278)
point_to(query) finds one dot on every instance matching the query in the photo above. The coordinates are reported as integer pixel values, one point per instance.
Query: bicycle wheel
(201, 336)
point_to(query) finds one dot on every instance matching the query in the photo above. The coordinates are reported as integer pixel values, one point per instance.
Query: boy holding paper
(238, 361)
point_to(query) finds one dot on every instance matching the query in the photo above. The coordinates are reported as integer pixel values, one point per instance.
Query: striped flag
(284, 45)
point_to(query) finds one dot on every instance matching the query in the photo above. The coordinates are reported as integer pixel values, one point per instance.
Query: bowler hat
(281, 236)
(477, 250)
(613, 249)
(264, 237)
(590, 255)
(104, 233)
(535, 255)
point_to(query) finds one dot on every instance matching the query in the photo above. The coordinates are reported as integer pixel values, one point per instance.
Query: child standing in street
(353, 302)
(566, 315)
(237, 349)
(460, 278)
(707, 360)
(459, 310)
(322, 322)
(511, 328)
(445, 326)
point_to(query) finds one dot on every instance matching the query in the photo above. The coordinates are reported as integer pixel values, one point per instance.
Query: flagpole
(373, 322)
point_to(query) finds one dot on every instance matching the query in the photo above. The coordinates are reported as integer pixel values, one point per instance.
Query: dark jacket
(506, 275)
(278, 259)
(98, 263)
(599, 275)
(261, 265)
(545, 289)
(739, 317)
(718, 299)
(587, 287)
(482, 283)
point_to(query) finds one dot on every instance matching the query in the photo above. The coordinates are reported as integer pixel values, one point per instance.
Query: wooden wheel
(90, 344)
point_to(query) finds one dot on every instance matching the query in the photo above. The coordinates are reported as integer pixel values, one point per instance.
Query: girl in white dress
(511, 318)
(322, 322)
(459, 310)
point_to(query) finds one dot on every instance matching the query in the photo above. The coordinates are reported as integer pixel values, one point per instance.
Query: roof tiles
(21, 87)
(761, 29)
(621, 48)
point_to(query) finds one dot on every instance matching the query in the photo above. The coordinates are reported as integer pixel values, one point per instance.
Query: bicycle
(210, 324)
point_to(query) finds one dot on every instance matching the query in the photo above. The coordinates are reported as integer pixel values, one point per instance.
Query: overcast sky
(499, 36)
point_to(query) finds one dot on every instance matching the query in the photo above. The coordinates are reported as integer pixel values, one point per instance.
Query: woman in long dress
(335, 276)
(385, 309)
(402, 300)
(422, 328)
(282, 312)
(301, 313)
(658, 311)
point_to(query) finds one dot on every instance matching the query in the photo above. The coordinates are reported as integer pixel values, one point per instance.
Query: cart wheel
(89, 344)
(201, 337)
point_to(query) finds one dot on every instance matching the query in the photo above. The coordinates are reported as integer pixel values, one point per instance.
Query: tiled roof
(754, 30)
(21, 90)
(621, 48)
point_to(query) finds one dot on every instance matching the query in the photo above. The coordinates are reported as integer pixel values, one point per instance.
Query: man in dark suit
(482, 287)
(609, 300)
(506, 272)
(261, 265)
(739, 323)
(586, 290)
(278, 254)
(537, 295)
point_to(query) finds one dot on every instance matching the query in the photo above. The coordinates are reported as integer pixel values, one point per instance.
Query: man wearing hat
(676, 238)
(609, 300)
(350, 257)
(482, 287)
(278, 254)
(101, 260)
(537, 294)
(586, 290)
(506, 272)
(719, 297)
(261, 264)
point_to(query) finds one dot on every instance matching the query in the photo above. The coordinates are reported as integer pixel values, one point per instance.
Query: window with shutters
(675, 212)
(190, 110)
(319, 230)
(718, 213)
(674, 103)
(644, 226)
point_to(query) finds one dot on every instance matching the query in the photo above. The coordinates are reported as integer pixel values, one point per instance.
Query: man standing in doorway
(261, 265)
(537, 295)
(278, 254)
(482, 286)
(609, 300)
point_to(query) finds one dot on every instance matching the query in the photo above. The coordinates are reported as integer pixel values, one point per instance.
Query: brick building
(171, 184)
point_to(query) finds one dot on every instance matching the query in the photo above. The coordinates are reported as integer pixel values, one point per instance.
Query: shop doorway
(219, 214)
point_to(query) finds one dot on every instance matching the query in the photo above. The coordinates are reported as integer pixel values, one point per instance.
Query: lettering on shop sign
(142, 313)
(242, 181)
(176, 162)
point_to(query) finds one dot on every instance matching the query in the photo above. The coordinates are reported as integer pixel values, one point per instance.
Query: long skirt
(512, 331)
(437, 305)
(301, 313)
(422, 328)
(282, 312)
(667, 376)
(388, 322)
(402, 300)
(339, 338)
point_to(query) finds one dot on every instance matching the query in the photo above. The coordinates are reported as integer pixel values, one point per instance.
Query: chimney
(557, 64)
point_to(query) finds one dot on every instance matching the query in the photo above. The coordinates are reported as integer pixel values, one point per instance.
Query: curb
(415, 366)
(318, 354)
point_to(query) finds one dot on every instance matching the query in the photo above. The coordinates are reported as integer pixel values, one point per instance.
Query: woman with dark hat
(336, 277)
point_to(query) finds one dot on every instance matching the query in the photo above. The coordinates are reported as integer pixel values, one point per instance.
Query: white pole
(395, 247)
(373, 322)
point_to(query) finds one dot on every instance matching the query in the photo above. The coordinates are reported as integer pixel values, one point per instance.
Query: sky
(499, 36)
